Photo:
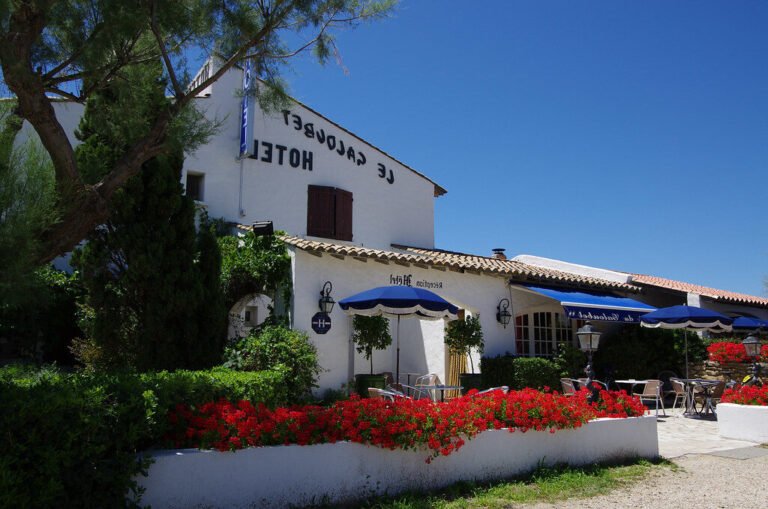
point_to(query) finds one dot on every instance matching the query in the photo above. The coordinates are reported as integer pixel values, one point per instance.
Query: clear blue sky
(620, 134)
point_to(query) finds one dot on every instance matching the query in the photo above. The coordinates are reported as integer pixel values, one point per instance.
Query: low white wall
(345, 472)
(743, 422)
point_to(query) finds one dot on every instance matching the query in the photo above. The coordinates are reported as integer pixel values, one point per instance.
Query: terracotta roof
(436, 258)
(712, 293)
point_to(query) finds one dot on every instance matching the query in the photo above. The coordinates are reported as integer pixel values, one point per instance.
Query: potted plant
(370, 333)
(462, 336)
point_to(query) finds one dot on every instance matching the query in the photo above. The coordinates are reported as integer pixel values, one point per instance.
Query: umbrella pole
(685, 335)
(397, 364)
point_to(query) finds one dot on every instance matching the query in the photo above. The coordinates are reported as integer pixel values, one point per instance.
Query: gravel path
(702, 482)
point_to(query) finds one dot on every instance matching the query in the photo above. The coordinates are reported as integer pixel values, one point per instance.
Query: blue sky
(626, 135)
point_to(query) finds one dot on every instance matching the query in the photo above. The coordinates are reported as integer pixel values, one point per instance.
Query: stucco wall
(344, 472)
(422, 349)
(383, 213)
(743, 422)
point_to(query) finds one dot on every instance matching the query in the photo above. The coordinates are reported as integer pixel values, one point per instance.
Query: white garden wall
(345, 472)
(743, 422)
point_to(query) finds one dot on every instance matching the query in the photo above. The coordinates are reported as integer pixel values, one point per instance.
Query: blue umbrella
(399, 301)
(749, 323)
(687, 318)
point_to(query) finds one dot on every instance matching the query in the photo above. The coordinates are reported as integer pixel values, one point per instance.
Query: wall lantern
(326, 302)
(589, 339)
(503, 316)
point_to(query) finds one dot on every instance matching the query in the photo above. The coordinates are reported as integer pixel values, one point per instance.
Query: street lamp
(326, 302)
(752, 346)
(503, 316)
(589, 339)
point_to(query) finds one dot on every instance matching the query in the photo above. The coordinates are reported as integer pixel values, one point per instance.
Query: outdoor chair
(375, 393)
(652, 391)
(408, 391)
(666, 377)
(678, 389)
(427, 380)
(503, 388)
(708, 399)
(568, 388)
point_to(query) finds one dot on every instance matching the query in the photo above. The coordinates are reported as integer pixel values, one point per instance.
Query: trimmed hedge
(498, 371)
(520, 372)
(73, 440)
(536, 373)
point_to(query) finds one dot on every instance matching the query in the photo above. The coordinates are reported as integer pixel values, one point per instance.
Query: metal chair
(678, 389)
(568, 388)
(652, 390)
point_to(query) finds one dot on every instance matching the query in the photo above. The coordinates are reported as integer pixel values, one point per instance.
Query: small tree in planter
(370, 333)
(462, 336)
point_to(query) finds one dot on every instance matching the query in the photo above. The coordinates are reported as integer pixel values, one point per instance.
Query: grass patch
(546, 484)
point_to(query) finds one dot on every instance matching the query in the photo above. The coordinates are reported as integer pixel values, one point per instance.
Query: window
(329, 213)
(194, 187)
(538, 334)
(251, 316)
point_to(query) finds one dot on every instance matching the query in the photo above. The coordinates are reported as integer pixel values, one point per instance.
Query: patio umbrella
(687, 318)
(749, 323)
(399, 301)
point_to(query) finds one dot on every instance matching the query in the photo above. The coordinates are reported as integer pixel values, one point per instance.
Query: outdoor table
(632, 383)
(441, 388)
(690, 401)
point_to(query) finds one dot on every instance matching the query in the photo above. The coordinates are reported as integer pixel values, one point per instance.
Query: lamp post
(752, 346)
(503, 316)
(589, 339)
(326, 302)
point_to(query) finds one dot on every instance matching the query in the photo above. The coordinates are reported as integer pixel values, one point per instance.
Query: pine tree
(153, 300)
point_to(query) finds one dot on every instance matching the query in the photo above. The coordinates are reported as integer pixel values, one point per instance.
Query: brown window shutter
(343, 215)
(321, 211)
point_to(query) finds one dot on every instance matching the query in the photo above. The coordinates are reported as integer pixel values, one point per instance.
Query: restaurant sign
(603, 315)
(407, 280)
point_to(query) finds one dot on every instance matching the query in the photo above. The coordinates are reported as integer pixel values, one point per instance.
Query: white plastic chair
(428, 380)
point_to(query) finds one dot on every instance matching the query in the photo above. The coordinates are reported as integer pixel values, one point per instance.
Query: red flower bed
(404, 424)
(732, 352)
(746, 395)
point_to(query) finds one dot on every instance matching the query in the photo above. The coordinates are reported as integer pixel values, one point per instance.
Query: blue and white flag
(246, 127)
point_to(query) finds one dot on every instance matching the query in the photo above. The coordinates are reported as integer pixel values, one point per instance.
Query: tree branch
(178, 91)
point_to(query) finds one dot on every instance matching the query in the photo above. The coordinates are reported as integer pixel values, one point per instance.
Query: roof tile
(459, 261)
(705, 291)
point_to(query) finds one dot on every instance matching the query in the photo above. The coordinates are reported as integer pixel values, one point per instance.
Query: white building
(359, 218)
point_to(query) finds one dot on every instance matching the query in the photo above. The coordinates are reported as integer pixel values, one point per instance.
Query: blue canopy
(687, 317)
(749, 323)
(581, 305)
(399, 301)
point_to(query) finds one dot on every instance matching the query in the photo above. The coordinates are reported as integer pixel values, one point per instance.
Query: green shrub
(639, 352)
(276, 347)
(73, 439)
(498, 371)
(570, 361)
(535, 372)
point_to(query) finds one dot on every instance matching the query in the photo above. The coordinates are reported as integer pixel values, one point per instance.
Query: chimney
(498, 253)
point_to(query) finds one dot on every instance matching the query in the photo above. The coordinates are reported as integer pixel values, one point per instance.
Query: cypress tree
(153, 298)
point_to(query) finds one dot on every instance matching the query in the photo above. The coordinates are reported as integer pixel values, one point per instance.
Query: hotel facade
(357, 218)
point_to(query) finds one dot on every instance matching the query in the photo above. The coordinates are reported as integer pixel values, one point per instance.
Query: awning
(603, 307)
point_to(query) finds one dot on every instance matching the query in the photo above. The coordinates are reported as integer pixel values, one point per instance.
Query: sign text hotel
(283, 155)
